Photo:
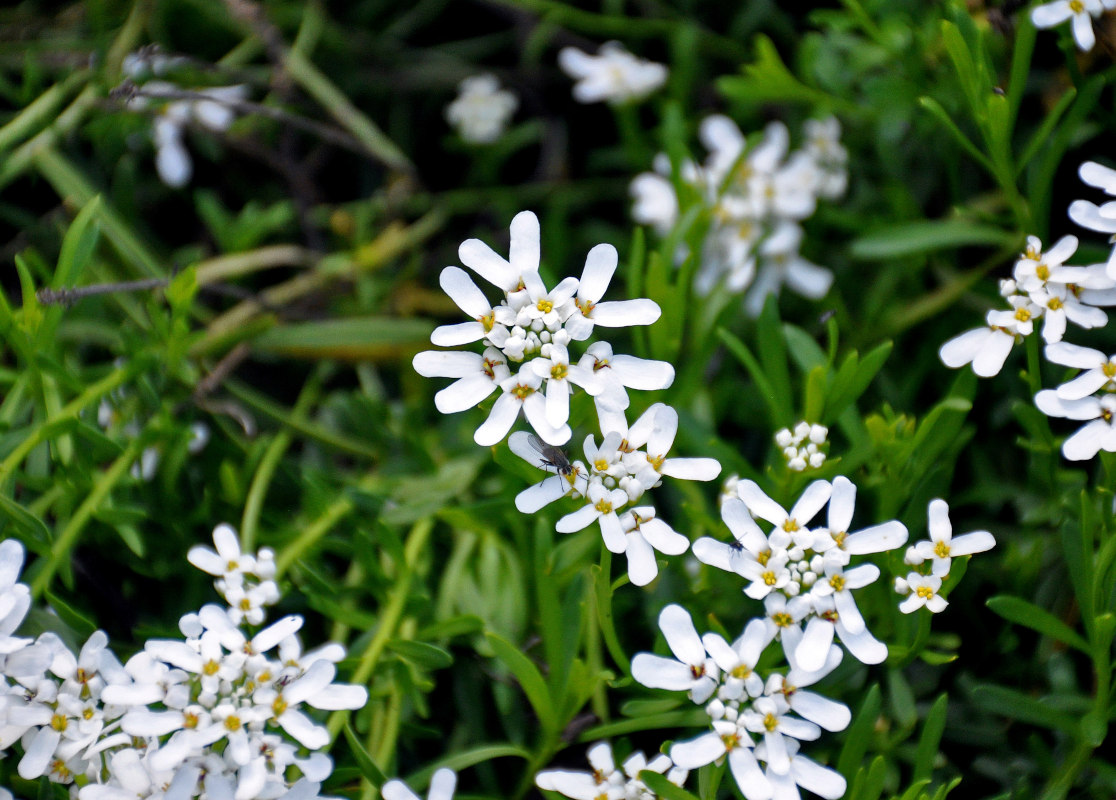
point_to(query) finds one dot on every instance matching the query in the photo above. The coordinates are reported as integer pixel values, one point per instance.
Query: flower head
(613, 75)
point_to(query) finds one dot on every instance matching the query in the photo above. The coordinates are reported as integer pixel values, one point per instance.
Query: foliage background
(306, 279)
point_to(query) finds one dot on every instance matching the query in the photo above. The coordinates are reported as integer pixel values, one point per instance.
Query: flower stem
(69, 535)
(391, 614)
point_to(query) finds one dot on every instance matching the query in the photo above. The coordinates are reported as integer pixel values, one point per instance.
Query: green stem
(391, 615)
(69, 535)
(72, 409)
(249, 521)
(336, 511)
(602, 594)
(37, 113)
(322, 89)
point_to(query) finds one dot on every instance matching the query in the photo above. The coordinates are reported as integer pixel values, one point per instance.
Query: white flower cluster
(1043, 286)
(481, 110)
(742, 705)
(756, 196)
(922, 587)
(533, 327)
(613, 477)
(802, 574)
(802, 447)
(1080, 12)
(606, 781)
(216, 714)
(613, 75)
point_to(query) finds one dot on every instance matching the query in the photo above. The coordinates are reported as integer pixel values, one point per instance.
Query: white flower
(226, 562)
(1099, 374)
(875, 539)
(643, 535)
(1080, 11)
(823, 144)
(1034, 269)
(943, 546)
(731, 738)
(212, 109)
(1097, 435)
(987, 348)
(19, 657)
(782, 264)
(482, 110)
(618, 372)
(692, 670)
(601, 506)
(748, 546)
(803, 772)
(654, 202)
(600, 265)
(606, 780)
(613, 75)
(477, 376)
(826, 713)
(738, 661)
(923, 592)
(768, 716)
(800, 456)
(442, 784)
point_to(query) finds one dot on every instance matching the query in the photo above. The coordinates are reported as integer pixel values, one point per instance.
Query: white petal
(577, 520)
(1072, 355)
(681, 636)
(1086, 442)
(464, 393)
(523, 252)
(664, 538)
(829, 714)
(460, 287)
(641, 373)
(397, 790)
(642, 568)
(173, 164)
(705, 749)
(442, 784)
(811, 652)
(820, 780)
(457, 334)
(760, 504)
(975, 542)
(541, 494)
(442, 364)
(877, 539)
(1088, 215)
(503, 415)
(484, 261)
(749, 777)
(600, 264)
(1051, 14)
(811, 502)
(692, 469)
(623, 313)
(308, 733)
(842, 502)
(656, 672)
(961, 350)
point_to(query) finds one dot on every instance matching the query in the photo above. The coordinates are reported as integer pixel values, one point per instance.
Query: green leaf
(914, 791)
(24, 521)
(869, 783)
(372, 773)
(805, 352)
(658, 784)
(860, 734)
(528, 675)
(768, 80)
(926, 236)
(931, 738)
(75, 619)
(773, 356)
(181, 289)
(78, 245)
(353, 339)
(1023, 612)
(426, 656)
(1023, 707)
(763, 385)
(901, 699)
(814, 402)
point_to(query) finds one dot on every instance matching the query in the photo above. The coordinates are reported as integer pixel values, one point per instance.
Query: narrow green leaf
(931, 738)
(1023, 707)
(763, 385)
(805, 352)
(860, 734)
(358, 339)
(943, 118)
(658, 784)
(773, 356)
(1041, 137)
(78, 245)
(372, 773)
(814, 401)
(901, 699)
(426, 656)
(925, 236)
(27, 523)
(528, 675)
(1023, 612)
(74, 618)
(914, 791)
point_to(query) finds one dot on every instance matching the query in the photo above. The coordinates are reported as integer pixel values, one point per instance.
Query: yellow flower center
(790, 526)
(600, 465)
(278, 706)
(190, 720)
(742, 671)
(232, 722)
(770, 722)
(941, 550)
(1109, 369)
(1054, 303)
(211, 667)
(770, 578)
(782, 619)
(763, 557)
(522, 392)
(656, 462)
(559, 372)
(925, 592)
(545, 306)
(604, 505)
(1023, 315)
(837, 582)
(1043, 272)
(59, 722)
(488, 321)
